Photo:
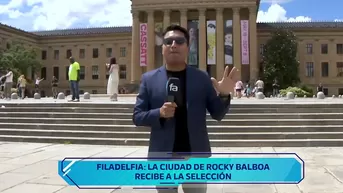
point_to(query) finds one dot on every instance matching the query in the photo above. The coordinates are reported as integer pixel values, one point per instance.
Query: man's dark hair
(113, 60)
(71, 59)
(177, 28)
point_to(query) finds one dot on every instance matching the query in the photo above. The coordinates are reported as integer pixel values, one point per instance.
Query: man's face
(175, 48)
(71, 60)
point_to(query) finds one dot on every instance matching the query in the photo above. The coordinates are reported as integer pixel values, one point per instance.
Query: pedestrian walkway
(32, 168)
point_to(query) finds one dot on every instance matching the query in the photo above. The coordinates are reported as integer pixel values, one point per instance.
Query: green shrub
(296, 90)
(307, 89)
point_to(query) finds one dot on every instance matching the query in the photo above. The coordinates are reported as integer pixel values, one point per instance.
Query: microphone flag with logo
(173, 89)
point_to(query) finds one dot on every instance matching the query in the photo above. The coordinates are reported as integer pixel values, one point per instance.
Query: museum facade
(223, 33)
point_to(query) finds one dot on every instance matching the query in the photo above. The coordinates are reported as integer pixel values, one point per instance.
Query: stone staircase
(111, 124)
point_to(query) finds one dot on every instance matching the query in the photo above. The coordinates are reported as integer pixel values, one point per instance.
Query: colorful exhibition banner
(228, 42)
(245, 41)
(143, 44)
(193, 55)
(113, 172)
(211, 42)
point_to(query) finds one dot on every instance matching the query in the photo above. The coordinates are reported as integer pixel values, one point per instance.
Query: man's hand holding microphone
(169, 107)
(168, 110)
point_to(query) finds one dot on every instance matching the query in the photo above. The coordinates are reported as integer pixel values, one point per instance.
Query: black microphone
(173, 89)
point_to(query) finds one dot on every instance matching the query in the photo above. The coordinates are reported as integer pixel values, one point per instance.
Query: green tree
(280, 60)
(19, 58)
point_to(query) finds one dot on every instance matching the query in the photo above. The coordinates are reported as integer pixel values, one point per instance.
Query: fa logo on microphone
(173, 88)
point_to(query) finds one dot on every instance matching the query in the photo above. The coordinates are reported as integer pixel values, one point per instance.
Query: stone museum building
(223, 32)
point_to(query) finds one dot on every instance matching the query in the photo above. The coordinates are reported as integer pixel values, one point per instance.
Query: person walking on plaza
(74, 78)
(113, 79)
(8, 84)
(54, 84)
(179, 125)
(22, 85)
(259, 85)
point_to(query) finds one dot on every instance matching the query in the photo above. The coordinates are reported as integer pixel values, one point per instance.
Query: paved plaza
(32, 168)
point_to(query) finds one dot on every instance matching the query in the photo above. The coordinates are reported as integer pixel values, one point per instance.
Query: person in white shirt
(260, 85)
(37, 84)
(8, 84)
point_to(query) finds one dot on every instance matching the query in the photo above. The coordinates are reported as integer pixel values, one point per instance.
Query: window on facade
(44, 55)
(122, 71)
(340, 91)
(42, 93)
(325, 69)
(82, 72)
(82, 53)
(339, 48)
(122, 51)
(43, 73)
(56, 72)
(56, 54)
(95, 52)
(324, 49)
(33, 74)
(94, 92)
(107, 73)
(309, 69)
(67, 72)
(95, 72)
(339, 66)
(309, 48)
(326, 91)
(108, 52)
(68, 53)
(261, 49)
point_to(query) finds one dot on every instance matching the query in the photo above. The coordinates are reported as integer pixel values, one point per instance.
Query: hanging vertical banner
(193, 56)
(143, 44)
(245, 41)
(228, 42)
(158, 43)
(211, 42)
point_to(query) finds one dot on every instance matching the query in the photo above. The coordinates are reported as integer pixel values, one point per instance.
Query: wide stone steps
(210, 122)
(145, 134)
(211, 128)
(145, 142)
(129, 115)
(111, 124)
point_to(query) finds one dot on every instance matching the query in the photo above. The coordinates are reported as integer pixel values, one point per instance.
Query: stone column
(220, 42)
(151, 40)
(237, 61)
(183, 18)
(166, 18)
(254, 70)
(202, 37)
(135, 68)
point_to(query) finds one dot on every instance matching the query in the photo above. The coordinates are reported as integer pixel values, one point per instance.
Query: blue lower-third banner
(114, 172)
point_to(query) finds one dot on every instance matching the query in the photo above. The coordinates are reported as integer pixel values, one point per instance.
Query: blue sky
(316, 10)
(60, 14)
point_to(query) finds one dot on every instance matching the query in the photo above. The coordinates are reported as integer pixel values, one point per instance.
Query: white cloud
(276, 1)
(338, 20)
(277, 13)
(60, 14)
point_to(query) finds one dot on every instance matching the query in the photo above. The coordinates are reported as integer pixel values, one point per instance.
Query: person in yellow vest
(74, 78)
